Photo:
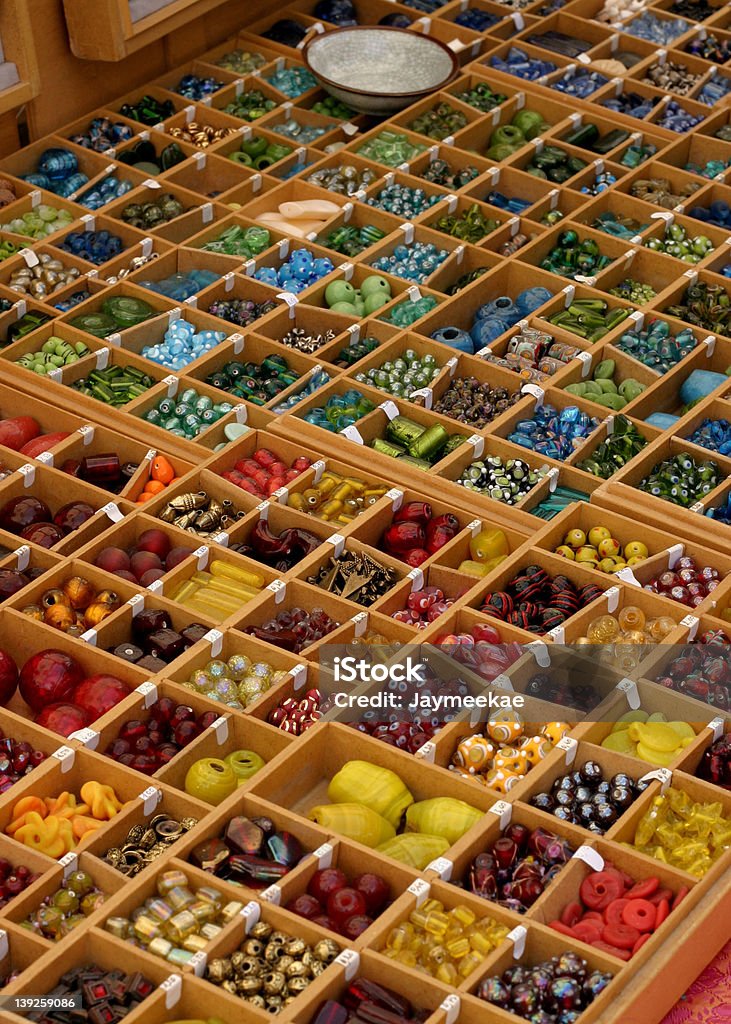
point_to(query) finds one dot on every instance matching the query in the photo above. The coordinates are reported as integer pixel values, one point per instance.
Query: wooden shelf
(103, 29)
(19, 48)
(16, 96)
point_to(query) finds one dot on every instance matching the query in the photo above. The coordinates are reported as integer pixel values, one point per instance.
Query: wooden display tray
(298, 768)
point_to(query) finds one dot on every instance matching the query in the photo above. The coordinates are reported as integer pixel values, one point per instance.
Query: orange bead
(145, 496)
(161, 470)
(154, 487)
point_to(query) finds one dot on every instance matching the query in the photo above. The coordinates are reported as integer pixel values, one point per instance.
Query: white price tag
(504, 812)
(149, 693)
(420, 890)
(443, 867)
(251, 914)
(324, 856)
(215, 639)
(591, 857)
(150, 798)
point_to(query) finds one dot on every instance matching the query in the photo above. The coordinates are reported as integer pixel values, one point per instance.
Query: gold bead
(297, 985)
(257, 1001)
(326, 950)
(274, 983)
(229, 986)
(295, 947)
(253, 947)
(219, 970)
(248, 986)
(297, 970)
(261, 930)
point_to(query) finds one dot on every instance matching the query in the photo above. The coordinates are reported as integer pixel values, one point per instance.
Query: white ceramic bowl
(378, 69)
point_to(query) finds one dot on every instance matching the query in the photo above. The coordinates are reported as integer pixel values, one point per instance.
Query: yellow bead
(400, 936)
(463, 915)
(436, 922)
(168, 880)
(180, 897)
(457, 948)
(146, 928)
(181, 926)
(447, 973)
(231, 911)
(437, 955)
(469, 963)
(202, 911)
(480, 943)
(160, 910)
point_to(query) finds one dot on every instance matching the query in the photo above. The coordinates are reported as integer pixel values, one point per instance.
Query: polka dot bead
(182, 345)
(301, 270)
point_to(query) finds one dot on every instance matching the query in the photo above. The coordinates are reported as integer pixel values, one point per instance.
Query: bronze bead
(274, 983)
(296, 970)
(326, 950)
(248, 986)
(261, 930)
(295, 947)
(273, 952)
(253, 947)
(253, 965)
(219, 970)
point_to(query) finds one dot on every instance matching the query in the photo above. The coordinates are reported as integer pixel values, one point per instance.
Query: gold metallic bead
(297, 985)
(169, 829)
(284, 962)
(274, 983)
(274, 1004)
(136, 833)
(257, 1001)
(297, 970)
(148, 839)
(219, 970)
(273, 952)
(261, 930)
(188, 823)
(253, 947)
(295, 947)
(229, 986)
(255, 965)
(248, 986)
(237, 960)
(280, 938)
(316, 968)
(326, 950)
